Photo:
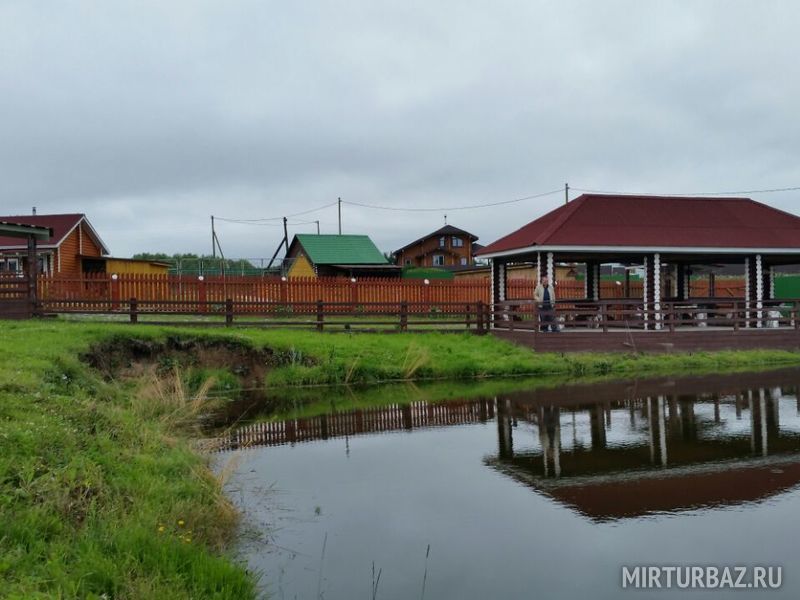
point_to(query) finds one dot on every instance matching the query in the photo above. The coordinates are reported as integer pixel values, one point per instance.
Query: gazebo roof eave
(622, 250)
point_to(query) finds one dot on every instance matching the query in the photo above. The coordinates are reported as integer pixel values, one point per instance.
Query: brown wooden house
(72, 239)
(445, 247)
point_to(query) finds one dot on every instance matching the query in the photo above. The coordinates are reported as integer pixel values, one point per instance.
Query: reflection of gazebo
(670, 458)
(18, 295)
(722, 484)
(664, 238)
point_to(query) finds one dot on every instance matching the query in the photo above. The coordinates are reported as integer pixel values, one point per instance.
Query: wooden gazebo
(664, 238)
(18, 291)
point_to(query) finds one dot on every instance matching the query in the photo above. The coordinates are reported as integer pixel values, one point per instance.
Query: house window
(12, 265)
(442, 241)
(458, 242)
(408, 261)
(438, 260)
(463, 261)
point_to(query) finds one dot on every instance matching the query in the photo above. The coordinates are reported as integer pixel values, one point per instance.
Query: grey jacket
(538, 293)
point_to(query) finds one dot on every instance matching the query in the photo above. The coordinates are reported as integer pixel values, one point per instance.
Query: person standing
(545, 296)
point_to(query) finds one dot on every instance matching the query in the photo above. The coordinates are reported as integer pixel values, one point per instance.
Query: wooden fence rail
(607, 315)
(319, 315)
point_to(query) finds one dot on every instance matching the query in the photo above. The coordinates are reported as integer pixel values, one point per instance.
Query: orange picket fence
(103, 291)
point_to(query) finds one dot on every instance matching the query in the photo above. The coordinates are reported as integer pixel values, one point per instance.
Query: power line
(246, 222)
(297, 214)
(725, 193)
(469, 207)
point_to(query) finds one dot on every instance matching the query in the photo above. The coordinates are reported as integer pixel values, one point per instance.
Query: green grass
(100, 493)
(96, 500)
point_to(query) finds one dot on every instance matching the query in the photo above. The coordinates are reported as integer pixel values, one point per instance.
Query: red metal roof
(61, 226)
(657, 222)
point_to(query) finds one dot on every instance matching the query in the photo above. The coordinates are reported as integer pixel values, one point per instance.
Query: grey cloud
(150, 116)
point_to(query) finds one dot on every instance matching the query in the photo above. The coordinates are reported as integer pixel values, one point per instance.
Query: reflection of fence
(395, 417)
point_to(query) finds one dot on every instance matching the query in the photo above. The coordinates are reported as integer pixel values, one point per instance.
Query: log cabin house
(73, 238)
(446, 247)
(74, 248)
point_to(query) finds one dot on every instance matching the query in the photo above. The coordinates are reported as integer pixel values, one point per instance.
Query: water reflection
(656, 450)
(611, 464)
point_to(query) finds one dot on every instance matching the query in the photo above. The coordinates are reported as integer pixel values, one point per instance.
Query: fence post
(353, 294)
(134, 310)
(604, 317)
(285, 293)
(201, 294)
(320, 316)
(469, 315)
(228, 312)
(114, 292)
(404, 316)
(795, 316)
(735, 315)
(671, 315)
(479, 315)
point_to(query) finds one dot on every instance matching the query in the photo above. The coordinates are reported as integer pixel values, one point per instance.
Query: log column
(647, 279)
(499, 285)
(681, 282)
(33, 271)
(652, 292)
(657, 316)
(627, 289)
(550, 270)
(538, 268)
(592, 282)
(754, 288)
(769, 283)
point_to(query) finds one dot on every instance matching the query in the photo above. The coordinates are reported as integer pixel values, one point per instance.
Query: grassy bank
(100, 495)
(101, 492)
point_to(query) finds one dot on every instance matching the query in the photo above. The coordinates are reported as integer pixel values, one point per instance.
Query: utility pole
(566, 193)
(317, 222)
(213, 239)
(340, 216)
(284, 242)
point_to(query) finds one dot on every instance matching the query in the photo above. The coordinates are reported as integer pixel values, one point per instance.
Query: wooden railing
(319, 315)
(15, 297)
(668, 315)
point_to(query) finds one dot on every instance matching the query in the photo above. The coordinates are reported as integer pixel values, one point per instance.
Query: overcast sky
(151, 116)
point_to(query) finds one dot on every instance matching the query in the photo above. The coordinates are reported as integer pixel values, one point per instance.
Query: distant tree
(390, 257)
(190, 263)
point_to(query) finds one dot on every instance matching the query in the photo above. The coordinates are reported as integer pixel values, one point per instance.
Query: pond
(517, 489)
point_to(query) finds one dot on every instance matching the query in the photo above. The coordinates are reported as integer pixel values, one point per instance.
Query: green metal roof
(334, 249)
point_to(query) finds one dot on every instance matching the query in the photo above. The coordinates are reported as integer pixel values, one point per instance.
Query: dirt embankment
(130, 357)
